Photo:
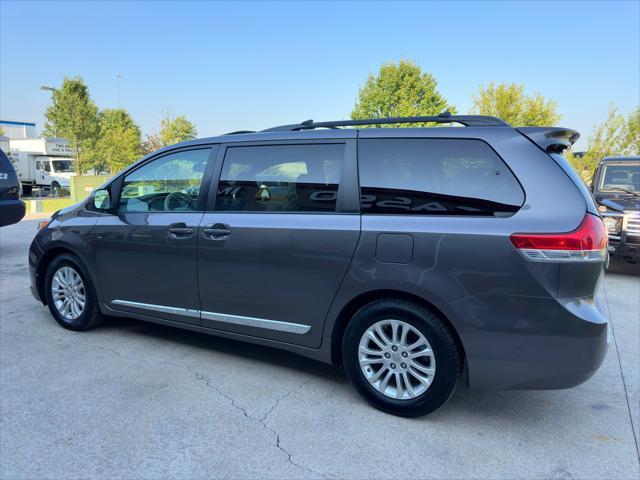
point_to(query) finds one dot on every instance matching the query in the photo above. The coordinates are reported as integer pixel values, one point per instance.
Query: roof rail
(466, 120)
(238, 132)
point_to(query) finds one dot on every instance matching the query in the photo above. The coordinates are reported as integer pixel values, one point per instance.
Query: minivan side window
(167, 184)
(435, 177)
(280, 178)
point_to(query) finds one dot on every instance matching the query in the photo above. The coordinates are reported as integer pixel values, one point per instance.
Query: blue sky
(243, 65)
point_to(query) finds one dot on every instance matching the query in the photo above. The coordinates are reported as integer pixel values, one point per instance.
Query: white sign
(59, 148)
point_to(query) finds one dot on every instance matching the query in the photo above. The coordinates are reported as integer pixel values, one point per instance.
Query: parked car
(12, 209)
(418, 258)
(616, 188)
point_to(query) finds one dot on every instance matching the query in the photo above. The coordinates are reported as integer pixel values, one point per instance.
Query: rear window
(435, 177)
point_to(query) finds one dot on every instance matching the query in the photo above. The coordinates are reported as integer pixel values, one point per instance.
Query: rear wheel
(401, 357)
(71, 295)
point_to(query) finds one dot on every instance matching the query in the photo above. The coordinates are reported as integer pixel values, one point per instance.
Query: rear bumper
(11, 211)
(532, 343)
(628, 250)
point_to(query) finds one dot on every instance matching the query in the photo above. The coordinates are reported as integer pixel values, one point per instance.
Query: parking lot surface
(136, 400)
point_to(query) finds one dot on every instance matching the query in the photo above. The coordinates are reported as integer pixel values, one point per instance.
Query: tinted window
(280, 178)
(435, 177)
(169, 183)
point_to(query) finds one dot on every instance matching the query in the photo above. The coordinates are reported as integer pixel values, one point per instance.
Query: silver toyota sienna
(417, 258)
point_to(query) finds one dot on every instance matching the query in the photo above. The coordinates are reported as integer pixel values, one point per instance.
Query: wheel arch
(350, 309)
(44, 263)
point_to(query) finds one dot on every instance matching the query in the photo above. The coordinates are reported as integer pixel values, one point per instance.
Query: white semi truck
(42, 162)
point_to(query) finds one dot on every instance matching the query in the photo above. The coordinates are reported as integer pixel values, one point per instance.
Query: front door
(146, 252)
(275, 249)
(42, 172)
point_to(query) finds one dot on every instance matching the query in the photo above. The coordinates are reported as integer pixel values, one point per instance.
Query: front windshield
(62, 165)
(615, 178)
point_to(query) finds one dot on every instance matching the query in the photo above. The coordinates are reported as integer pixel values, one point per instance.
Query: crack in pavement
(263, 419)
(208, 381)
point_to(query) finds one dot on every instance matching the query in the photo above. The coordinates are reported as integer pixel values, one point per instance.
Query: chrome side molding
(187, 312)
(256, 322)
(265, 323)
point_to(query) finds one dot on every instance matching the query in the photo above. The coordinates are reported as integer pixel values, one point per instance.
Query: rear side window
(280, 178)
(435, 177)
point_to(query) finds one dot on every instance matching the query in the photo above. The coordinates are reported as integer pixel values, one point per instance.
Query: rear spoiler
(550, 139)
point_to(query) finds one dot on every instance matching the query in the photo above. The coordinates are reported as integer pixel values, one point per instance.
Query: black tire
(26, 190)
(91, 315)
(55, 189)
(447, 353)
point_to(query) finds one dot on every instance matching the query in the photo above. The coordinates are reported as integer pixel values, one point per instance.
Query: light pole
(50, 89)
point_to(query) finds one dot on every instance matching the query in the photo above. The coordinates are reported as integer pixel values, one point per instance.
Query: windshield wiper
(635, 194)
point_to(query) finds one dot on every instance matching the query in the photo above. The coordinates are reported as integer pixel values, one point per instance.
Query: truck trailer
(42, 162)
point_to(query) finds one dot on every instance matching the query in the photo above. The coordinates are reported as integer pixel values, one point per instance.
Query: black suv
(12, 209)
(616, 188)
(418, 258)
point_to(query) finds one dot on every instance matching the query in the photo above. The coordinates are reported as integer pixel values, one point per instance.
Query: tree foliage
(399, 90)
(631, 138)
(74, 116)
(617, 135)
(510, 103)
(172, 130)
(119, 143)
(176, 130)
(1, 131)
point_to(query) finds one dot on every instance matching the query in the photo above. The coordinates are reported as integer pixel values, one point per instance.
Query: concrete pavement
(136, 400)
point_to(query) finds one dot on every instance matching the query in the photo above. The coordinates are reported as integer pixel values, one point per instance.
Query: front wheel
(55, 189)
(70, 294)
(401, 357)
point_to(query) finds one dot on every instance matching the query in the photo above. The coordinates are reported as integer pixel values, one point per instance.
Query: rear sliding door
(272, 254)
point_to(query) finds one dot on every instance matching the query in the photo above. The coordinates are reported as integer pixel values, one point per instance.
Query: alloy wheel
(396, 359)
(68, 293)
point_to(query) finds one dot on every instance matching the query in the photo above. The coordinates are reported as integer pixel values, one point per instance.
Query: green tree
(631, 137)
(399, 90)
(74, 116)
(510, 103)
(172, 130)
(176, 130)
(119, 143)
(617, 135)
(1, 131)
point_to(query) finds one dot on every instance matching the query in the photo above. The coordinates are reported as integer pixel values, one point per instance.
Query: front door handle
(180, 230)
(216, 231)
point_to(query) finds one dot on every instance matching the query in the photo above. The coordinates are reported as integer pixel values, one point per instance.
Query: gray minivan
(417, 258)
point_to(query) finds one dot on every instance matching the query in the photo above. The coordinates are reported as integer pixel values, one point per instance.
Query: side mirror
(102, 200)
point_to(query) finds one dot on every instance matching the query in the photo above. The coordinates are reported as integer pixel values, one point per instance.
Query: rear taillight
(587, 243)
